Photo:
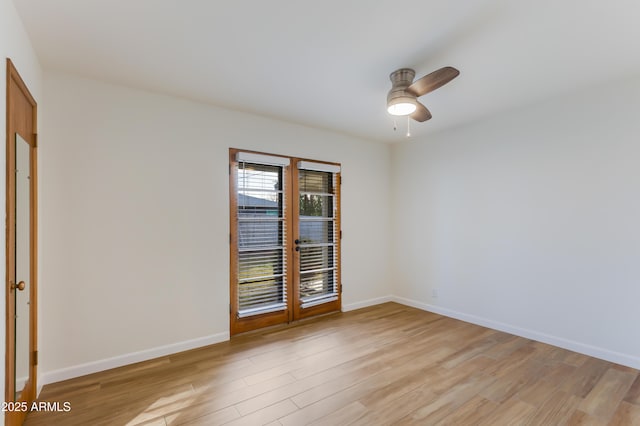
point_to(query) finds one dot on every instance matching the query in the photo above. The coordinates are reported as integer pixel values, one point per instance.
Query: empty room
(328, 213)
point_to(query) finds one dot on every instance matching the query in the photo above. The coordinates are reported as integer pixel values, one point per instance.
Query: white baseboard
(131, 358)
(366, 303)
(596, 352)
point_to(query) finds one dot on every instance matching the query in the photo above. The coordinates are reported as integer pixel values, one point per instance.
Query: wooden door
(317, 239)
(21, 270)
(285, 245)
(260, 211)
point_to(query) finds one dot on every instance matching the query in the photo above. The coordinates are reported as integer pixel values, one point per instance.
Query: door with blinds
(318, 234)
(285, 239)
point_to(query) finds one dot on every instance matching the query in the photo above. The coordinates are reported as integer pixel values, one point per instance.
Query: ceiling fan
(403, 96)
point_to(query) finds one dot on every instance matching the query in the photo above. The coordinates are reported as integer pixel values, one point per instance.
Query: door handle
(20, 286)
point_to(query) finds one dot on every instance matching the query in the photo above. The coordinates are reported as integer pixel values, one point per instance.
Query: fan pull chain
(408, 127)
(395, 125)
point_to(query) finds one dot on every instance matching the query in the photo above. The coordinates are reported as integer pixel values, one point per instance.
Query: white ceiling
(326, 63)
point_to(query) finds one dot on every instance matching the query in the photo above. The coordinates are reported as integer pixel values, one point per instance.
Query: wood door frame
(241, 325)
(294, 311)
(22, 113)
(324, 308)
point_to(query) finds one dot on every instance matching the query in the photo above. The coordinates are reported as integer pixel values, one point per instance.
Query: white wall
(529, 221)
(14, 44)
(135, 219)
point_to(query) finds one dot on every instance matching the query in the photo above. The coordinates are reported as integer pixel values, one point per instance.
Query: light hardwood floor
(383, 365)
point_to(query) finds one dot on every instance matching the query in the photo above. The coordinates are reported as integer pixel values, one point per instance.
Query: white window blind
(319, 167)
(252, 157)
(318, 233)
(261, 234)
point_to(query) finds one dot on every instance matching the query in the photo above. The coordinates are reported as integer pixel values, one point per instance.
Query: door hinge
(230, 310)
(340, 286)
(341, 234)
(230, 239)
(35, 357)
(229, 169)
(35, 140)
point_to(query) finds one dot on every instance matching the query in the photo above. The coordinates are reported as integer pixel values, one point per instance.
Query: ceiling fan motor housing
(400, 80)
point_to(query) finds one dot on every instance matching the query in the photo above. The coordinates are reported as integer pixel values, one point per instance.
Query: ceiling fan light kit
(401, 106)
(402, 99)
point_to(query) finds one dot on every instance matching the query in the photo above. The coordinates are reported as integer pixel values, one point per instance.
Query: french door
(285, 239)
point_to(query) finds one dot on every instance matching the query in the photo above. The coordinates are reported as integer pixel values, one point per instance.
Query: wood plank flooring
(383, 365)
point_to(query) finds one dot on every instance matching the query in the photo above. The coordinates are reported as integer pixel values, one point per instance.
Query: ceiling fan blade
(431, 82)
(421, 113)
